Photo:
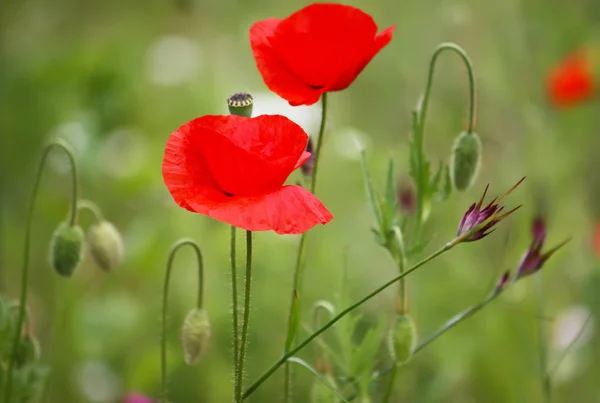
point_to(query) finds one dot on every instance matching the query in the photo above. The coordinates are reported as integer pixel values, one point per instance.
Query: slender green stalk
(163, 340)
(25, 269)
(232, 258)
(390, 386)
(85, 204)
(461, 52)
(567, 349)
(455, 320)
(544, 376)
(400, 258)
(246, 320)
(301, 258)
(343, 313)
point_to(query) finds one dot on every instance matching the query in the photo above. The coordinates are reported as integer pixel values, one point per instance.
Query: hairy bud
(402, 338)
(29, 351)
(105, 245)
(195, 335)
(66, 249)
(466, 158)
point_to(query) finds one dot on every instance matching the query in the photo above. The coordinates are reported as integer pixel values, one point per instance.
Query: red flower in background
(571, 81)
(321, 48)
(233, 168)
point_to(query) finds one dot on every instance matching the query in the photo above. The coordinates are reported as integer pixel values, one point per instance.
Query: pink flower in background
(137, 398)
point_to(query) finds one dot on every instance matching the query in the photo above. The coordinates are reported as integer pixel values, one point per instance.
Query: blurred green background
(115, 78)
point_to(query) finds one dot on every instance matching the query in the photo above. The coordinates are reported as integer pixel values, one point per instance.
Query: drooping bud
(105, 245)
(240, 104)
(66, 249)
(195, 335)
(402, 338)
(465, 161)
(29, 351)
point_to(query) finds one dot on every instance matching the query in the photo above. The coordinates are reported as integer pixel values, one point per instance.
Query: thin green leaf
(318, 375)
(445, 191)
(391, 204)
(293, 323)
(371, 194)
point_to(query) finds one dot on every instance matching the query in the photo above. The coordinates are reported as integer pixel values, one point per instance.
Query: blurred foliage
(116, 78)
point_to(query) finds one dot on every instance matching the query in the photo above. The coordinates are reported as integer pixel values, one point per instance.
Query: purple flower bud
(137, 398)
(502, 282)
(407, 200)
(478, 221)
(309, 166)
(534, 259)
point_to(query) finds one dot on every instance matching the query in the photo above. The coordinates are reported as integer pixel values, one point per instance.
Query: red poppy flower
(232, 169)
(321, 48)
(571, 81)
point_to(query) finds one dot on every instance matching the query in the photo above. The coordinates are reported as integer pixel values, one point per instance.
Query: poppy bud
(29, 351)
(240, 104)
(466, 158)
(105, 245)
(195, 335)
(402, 338)
(66, 249)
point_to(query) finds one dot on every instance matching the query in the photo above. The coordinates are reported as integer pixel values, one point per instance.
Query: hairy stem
(163, 340)
(25, 268)
(246, 319)
(234, 295)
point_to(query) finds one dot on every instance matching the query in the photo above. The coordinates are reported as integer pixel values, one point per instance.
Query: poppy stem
(301, 258)
(390, 387)
(463, 55)
(283, 359)
(246, 319)
(163, 339)
(234, 296)
(85, 204)
(544, 376)
(318, 151)
(61, 144)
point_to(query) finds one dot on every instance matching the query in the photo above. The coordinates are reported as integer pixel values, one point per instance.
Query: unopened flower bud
(66, 249)
(105, 245)
(402, 338)
(309, 166)
(195, 335)
(29, 351)
(466, 158)
(240, 104)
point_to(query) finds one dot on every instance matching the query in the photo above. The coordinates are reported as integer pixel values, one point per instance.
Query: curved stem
(246, 320)
(85, 204)
(390, 387)
(232, 258)
(25, 269)
(339, 316)
(463, 55)
(163, 340)
(301, 258)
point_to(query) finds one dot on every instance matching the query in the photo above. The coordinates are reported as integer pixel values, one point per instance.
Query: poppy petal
(277, 77)
(381, 40)
(287, 210)
(303, 158)
(572, 81)
(250, 156)
(183, 174)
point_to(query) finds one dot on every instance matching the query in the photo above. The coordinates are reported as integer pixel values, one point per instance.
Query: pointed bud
(240, 104)
(195, 335)
(402, 338)
(466, 158)
(105, 245)
(66, 249)
(29, 351)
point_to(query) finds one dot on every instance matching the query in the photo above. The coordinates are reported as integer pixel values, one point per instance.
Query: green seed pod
(29, 351)
(320, 393)
(240, 104)
(66, 249)
(402, 338)
(105, 245)
(195, 335)
(466, 158)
